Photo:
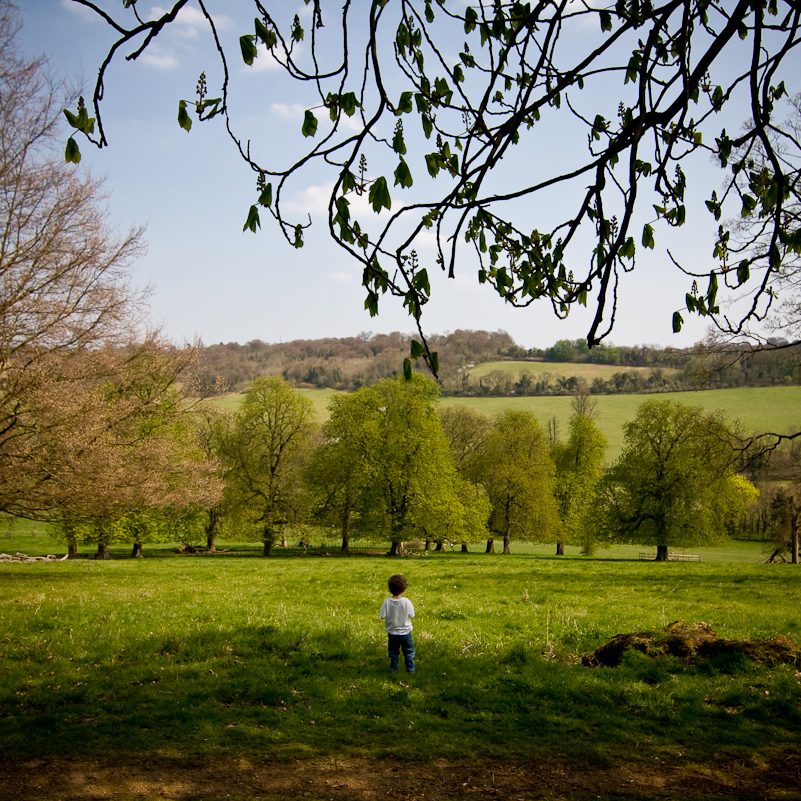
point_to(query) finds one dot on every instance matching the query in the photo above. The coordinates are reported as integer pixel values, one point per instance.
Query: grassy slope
(285, 658)
(559, 369)
(759, 409)
(776, 409)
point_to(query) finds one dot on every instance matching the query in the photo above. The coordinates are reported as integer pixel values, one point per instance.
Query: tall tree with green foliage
(395, 476)
(516, 470)
(391, 100)
(267, 453)
(578, 470)
(339, 471)
(674, 484)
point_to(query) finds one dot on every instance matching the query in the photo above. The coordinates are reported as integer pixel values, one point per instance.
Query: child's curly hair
(397, 584)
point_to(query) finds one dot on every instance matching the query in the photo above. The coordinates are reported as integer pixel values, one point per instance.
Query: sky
(191, 190)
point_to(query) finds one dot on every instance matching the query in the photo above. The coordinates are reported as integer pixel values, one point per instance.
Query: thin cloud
(288, 111)
(190, 21)
(342, 278)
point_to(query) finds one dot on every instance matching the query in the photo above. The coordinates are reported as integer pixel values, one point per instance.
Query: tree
(394, 459)
(786, 508)
(642, 83)
(68, 314)
(267, 454)
(517, 472)
(116, 457)
(578, 469)
(674, 484)
(340, 467)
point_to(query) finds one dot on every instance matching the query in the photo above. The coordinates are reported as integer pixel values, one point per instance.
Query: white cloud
(190, 21)
(266, 60)
(313, 200)
(159, 58)
(288, 111)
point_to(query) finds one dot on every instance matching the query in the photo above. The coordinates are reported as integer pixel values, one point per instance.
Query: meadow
(758, 409)
(284, 658)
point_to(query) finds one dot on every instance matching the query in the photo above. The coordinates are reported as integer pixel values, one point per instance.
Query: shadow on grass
(268, 692)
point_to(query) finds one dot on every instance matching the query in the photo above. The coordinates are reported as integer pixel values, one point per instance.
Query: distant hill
(490, 364)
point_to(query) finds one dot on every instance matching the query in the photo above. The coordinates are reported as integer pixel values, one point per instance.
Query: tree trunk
(507, 539)
(560, 549)
(211, 530)
(72, 549)
(439, 547)
(268, 547)
(137, 551)
(661, 553)
(428, 545)
(345, 533)
(394, 548)
(490, 546)
(465, 548)
(102, 551)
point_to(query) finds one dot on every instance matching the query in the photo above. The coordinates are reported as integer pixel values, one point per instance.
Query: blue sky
(192, 192)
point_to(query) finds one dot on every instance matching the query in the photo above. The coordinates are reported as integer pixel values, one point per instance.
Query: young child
(397, 613)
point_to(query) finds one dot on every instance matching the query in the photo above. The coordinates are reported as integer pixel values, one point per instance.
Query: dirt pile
(693, 642)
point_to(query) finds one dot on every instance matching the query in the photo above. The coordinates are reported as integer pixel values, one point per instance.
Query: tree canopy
(675, 482)
(446, 118)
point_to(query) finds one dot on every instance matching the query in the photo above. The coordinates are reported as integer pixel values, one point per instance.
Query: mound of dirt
(693, 642)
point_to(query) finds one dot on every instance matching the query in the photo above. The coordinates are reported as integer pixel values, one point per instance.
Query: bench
(672, 557)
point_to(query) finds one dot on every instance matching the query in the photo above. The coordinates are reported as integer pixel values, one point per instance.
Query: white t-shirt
(397, 614)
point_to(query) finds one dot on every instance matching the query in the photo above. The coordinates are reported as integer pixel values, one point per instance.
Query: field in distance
(561, 369)
(759, 409)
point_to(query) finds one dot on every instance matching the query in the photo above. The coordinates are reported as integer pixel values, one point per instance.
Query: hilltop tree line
(350, 363)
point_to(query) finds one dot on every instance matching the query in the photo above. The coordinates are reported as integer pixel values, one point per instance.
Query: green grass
(285, 658)
(759, 409)
(560, 369)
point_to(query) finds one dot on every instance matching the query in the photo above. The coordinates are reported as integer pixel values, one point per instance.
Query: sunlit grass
(286, 658)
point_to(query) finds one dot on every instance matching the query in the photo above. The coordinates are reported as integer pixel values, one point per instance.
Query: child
(397, 612)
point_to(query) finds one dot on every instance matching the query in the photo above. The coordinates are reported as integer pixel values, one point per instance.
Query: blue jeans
(398, 643)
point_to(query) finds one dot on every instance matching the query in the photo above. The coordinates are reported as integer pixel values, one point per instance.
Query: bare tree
(87, 395)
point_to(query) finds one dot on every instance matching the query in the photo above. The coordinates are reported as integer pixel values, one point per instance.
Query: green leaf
(405, 103)
(429, 13)
(606, 21)
(434, 361)
(266, 197)
(648, 237)
(253, 221)
(183, 117)
(398, 142)
(379, 195)
(266, 35)
(421, 282)
(371, 303)
(348, 181)
(403, 175)
(348, 103)
(417, 350)
(433, 164)
(677, 322)
(407, 369)
(247, 44)
(72, 153)
(743, 272)
(309, 124)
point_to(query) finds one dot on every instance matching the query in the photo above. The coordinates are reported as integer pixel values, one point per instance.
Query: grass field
(560, 369)
(285, 658)
(759, 409)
